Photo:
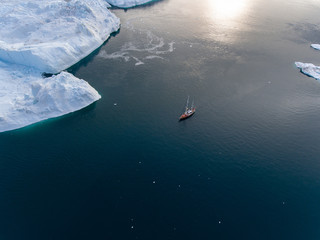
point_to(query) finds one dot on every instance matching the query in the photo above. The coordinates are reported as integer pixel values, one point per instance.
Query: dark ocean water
(245, 166)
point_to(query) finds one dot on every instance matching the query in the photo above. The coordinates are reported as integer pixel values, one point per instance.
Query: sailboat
(188, 111)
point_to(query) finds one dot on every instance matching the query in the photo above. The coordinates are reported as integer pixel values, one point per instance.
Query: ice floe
(316, 46)
(309, 69)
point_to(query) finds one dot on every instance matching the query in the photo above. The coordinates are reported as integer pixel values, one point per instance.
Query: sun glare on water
(227, 9)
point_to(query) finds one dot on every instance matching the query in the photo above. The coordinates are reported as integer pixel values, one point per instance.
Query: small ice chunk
(309, 69)
(139, 63)
(316, 46)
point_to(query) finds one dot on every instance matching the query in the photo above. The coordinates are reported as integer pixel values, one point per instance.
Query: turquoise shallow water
(245, 166)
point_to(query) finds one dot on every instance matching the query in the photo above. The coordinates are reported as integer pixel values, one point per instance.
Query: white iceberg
(309, 69)
(53, 35)
(128, 3)
(26, 97)
(48, 36)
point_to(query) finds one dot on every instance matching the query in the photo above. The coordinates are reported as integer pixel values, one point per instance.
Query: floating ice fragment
(138, 61)
(153, 57)
(316, 46)
(146, 47)
(309, 69)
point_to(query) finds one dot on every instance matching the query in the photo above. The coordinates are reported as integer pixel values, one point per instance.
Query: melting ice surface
(48, 36)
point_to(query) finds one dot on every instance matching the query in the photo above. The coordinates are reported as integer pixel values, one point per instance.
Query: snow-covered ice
(309, 69)
(53, 35)
(26, 97)
(128, 3)
(49, 36)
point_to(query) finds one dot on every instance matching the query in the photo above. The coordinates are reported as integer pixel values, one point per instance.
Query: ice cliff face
(26, 97)
(127, 3)
(53, 35)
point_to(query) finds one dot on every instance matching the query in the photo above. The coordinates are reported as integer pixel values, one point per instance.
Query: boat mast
(187, 104)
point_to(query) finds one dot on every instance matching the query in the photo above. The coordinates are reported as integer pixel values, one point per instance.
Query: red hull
(187, 115)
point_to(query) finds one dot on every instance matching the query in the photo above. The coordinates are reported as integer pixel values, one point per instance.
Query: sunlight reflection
(227, 9)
